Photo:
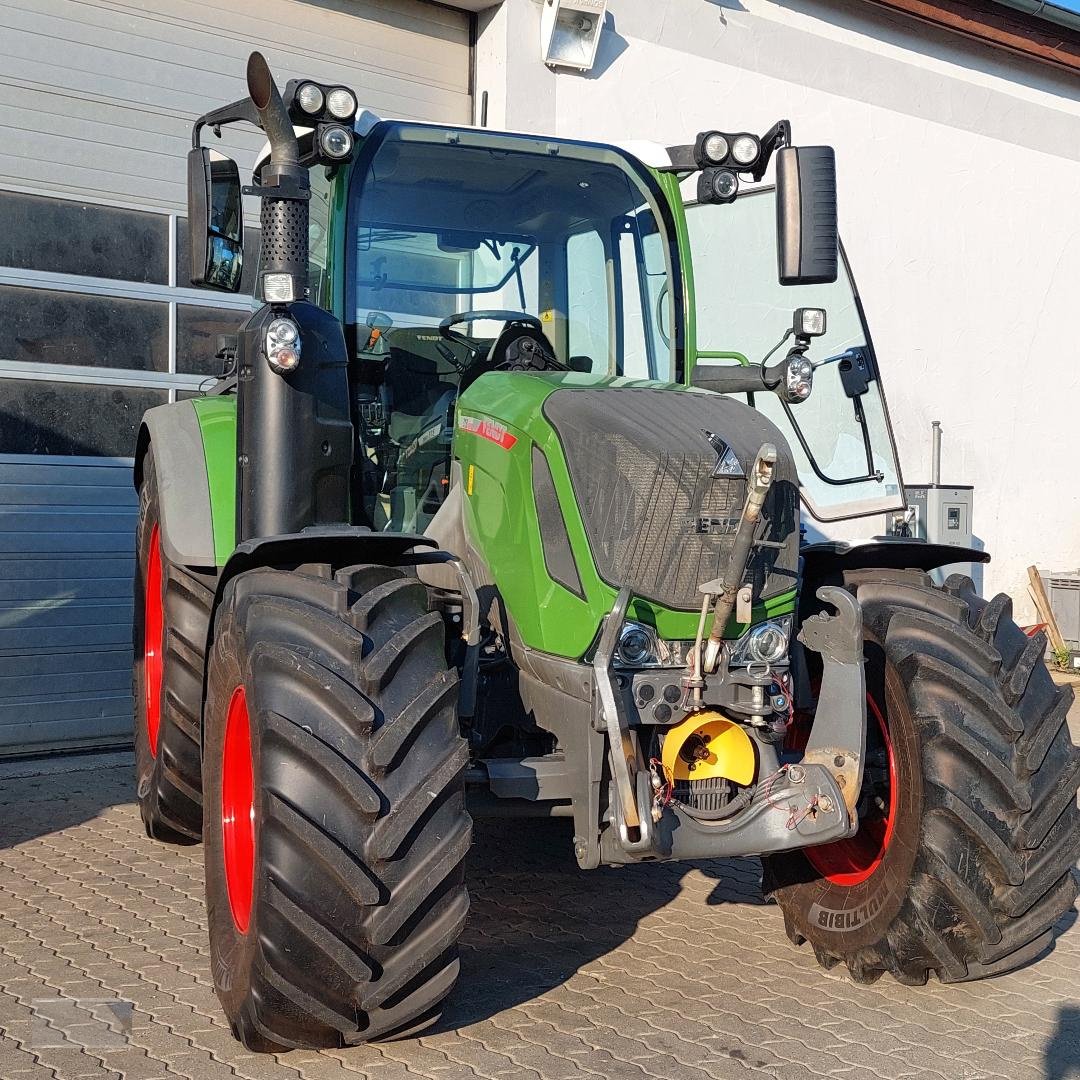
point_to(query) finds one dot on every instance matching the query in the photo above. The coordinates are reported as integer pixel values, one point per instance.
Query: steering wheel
(498, 314)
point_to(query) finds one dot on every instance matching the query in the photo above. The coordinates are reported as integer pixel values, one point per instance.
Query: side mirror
(807, 240)
(215, 220)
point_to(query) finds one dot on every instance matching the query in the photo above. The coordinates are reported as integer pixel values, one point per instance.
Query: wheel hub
(238, 810)
(153, 640)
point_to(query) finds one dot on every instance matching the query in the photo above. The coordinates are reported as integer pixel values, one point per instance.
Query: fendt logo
(716, 526)
(727, 463)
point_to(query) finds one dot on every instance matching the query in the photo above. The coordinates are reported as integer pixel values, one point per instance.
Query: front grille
(641, 469)
(644, 521)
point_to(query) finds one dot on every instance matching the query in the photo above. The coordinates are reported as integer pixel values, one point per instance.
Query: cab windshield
(841, 436)
(448, 223)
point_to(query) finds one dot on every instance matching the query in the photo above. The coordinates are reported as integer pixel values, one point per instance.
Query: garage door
(97, 99)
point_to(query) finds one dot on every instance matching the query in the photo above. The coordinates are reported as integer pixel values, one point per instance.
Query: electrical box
(941, 514)
(1064, 593)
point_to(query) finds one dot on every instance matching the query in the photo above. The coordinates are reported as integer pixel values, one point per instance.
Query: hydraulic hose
(759, 482)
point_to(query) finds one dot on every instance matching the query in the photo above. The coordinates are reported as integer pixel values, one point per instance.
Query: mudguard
(186, 521)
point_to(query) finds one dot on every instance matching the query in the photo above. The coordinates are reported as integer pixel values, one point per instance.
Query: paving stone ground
(657, 971)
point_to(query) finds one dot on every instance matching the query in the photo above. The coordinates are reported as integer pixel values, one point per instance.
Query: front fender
(824, 563)
(185, 519)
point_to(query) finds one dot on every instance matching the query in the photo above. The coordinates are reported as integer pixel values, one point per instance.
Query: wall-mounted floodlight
(570, 32)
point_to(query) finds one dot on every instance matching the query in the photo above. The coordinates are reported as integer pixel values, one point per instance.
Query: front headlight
(283, 345)
(765, 643)
(637, 646)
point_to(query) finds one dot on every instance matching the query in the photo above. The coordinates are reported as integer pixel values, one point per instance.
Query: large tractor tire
(334, 823)
(171, 615)
(969, 826)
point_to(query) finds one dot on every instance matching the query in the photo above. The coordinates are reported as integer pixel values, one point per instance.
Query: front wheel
(334, 823)
(969, 827)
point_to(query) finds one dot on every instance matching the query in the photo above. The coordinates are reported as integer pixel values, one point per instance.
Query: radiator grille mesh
(641, 470)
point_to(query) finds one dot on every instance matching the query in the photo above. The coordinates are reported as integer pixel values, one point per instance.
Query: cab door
(841, 436)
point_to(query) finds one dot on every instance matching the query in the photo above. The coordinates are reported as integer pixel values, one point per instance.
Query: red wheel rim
(238, 810)
(849, 862)
(153, 640)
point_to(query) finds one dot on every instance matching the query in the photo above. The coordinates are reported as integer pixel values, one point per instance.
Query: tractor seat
(418, 375)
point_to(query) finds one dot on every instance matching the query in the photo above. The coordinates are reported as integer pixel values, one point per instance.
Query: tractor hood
(575, 485)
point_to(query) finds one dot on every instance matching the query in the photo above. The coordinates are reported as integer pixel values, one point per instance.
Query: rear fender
(185, 518)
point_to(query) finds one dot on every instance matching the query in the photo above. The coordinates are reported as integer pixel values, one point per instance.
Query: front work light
(809, 322)
(714, 147)
(717, 186)
(341, 103)
(310, 98)
(745, 150)
(306, 101)
(335, 142)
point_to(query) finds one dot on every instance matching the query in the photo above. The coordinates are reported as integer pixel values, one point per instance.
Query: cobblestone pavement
(655, 971)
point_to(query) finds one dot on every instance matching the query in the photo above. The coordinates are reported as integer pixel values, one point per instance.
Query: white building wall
(959, 180)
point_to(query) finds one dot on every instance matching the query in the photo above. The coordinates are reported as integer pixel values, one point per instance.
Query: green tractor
(477, 522)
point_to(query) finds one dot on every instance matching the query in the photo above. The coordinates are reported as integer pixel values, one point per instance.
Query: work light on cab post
(330, 111)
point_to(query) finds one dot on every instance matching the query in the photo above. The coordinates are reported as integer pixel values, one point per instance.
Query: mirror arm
(779, 135)
(242, 110)
(730, 380)
(871, 473)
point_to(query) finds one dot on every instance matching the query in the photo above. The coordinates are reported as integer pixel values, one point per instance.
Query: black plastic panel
(558, 555)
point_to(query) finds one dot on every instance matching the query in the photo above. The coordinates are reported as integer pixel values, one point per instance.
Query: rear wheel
(969, 827)
(171, 615)
(334, 823)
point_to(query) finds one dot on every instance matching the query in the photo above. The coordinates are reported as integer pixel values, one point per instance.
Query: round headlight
(745, 149)
(767, 643)
(635, 645)
(715, 147)
(341, 103)
(336, 142)
(725, 185)
(282, 332)
(310, 98)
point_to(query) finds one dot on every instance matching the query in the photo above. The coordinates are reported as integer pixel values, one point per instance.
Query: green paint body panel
(217, 421)
(501, 521)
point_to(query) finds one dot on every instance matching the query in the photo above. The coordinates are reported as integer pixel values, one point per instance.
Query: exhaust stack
(284, 189)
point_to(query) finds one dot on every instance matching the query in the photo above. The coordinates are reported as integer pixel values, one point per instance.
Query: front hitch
(838, 737)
